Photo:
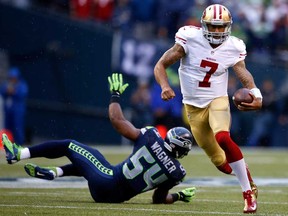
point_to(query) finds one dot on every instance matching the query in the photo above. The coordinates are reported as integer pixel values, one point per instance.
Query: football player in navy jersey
(153, 163)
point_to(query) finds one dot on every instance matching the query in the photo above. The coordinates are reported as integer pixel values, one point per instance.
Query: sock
(231, 149)
(239, 168)
(225, 168)
(25, 153)
(59, 172)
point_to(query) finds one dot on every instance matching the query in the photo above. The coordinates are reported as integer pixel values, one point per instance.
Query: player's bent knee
(218, 160)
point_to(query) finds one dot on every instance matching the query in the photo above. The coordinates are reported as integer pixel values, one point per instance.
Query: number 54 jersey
(148, 167)
(203, 72)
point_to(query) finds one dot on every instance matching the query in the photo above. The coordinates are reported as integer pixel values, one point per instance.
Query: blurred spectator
(264, 121)
(255, 23)
(195, 13)
(281, 136)
(103, 10)
(61, 6)
(167, 113)
(122, 16)
(144, 15)
(18, 3)
(276, 16)
(98, 10)
(14, 92)
(171, 16)
(140, 103)
(81, 9)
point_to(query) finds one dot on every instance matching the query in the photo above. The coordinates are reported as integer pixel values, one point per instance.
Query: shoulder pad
(143, 130)
(238, 44)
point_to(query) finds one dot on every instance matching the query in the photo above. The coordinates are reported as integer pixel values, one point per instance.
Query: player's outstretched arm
(119, 122)
(162, 196)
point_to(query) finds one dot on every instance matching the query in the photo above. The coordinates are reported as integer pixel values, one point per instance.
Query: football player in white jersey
(205, 55)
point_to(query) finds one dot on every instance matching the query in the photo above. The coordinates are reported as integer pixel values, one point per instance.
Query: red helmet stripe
(214, 9)
(220, 12)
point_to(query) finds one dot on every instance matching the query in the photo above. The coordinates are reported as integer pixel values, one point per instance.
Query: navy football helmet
(179, 141)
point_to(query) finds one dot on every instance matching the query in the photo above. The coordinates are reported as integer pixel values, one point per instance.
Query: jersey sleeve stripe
(182, 39)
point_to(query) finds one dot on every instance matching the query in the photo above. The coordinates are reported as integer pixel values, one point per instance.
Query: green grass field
(217, 194)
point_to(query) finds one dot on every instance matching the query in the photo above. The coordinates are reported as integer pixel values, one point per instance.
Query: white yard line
(76, 182)
(137, 210)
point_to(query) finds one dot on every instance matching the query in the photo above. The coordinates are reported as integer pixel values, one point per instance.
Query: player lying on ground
(153, 163)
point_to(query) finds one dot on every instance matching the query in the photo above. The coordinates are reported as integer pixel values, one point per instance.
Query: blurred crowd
(262, 24)
(267, 127)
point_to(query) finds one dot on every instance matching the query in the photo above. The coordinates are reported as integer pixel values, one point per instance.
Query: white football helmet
(216, 14)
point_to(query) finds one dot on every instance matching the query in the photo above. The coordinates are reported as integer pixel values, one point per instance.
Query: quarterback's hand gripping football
(187, 194)
(116, 83)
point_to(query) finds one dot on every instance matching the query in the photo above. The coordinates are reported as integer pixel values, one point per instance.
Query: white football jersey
(203, 72)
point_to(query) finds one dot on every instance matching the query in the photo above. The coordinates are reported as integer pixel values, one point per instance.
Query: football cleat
(12, 150)
(254, 188)
(48, 173)
(250, 201)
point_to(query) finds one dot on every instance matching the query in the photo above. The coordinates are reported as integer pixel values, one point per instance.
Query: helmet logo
(180, 140)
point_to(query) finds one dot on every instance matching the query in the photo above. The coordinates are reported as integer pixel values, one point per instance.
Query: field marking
(136, 209)
(76, 182)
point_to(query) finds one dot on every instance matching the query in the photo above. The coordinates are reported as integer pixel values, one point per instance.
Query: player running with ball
(205, 55)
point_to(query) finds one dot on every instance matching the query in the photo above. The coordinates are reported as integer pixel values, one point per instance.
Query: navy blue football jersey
(149, 165)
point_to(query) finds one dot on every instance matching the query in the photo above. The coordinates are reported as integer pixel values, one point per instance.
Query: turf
(269, 168)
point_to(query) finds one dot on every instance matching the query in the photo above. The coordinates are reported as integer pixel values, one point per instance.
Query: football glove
(187, 194)
(116, 83)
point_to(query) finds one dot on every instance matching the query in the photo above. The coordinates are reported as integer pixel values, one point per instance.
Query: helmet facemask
(216, 15)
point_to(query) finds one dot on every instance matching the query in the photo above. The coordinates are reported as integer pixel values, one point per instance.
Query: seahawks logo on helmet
(179, 141)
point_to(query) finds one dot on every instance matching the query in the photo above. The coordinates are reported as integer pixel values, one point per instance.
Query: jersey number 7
(213, 67)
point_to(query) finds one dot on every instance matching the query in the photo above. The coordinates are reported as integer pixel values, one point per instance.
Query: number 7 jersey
(203, 72)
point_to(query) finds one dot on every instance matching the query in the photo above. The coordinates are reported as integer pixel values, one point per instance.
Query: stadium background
(66, 63)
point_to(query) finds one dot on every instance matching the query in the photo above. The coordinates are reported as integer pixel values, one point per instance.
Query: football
(242, 95)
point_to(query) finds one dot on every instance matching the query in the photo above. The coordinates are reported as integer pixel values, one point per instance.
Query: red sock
(225, 168)
(231, 149)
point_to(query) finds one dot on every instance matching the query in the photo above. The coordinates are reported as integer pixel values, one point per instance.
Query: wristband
(175, 197)
(115, 97)
(181, 196)
(256, 92)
